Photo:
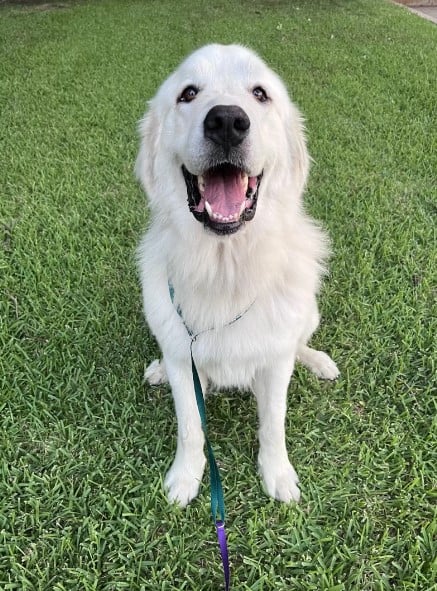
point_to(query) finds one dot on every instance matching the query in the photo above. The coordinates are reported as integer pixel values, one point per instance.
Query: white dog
(224, 163)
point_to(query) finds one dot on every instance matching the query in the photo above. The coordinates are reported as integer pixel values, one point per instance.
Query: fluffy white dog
(224, 162)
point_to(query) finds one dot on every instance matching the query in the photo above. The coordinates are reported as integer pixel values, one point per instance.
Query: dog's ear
(149, 130)
(298, 147)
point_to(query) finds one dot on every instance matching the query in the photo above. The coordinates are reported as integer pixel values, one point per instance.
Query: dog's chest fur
(270, 287)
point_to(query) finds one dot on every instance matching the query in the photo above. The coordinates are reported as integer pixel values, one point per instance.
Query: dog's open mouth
(223, 197)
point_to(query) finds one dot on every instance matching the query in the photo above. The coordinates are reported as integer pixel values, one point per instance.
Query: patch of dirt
(35, 5)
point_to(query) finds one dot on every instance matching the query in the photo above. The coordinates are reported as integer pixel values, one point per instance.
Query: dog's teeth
(218, 216)
(242, 208)
(201, 183)
(245, 182)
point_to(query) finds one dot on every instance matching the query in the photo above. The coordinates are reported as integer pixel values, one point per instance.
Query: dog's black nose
(226, 125)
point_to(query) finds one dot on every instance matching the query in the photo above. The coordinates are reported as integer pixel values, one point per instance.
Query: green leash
(217, 497)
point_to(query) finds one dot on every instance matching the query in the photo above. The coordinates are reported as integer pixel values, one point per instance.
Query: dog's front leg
(270, 388)
(183, 479)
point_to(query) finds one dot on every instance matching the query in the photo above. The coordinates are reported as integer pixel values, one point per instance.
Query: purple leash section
(217, 498)
(221, 535)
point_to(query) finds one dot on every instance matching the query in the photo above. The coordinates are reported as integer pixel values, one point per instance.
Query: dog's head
(220, 128)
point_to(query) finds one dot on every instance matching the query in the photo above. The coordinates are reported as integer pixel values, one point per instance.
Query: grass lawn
(83, 442)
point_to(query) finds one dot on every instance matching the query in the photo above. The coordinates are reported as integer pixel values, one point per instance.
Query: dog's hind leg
(318, 362)
(155, 373)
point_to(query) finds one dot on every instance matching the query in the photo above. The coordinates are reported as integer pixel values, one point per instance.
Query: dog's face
(220, 126)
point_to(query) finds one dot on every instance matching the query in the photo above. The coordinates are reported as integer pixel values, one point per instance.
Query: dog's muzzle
(224, 196)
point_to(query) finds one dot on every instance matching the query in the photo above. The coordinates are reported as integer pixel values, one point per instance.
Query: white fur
(275, 261)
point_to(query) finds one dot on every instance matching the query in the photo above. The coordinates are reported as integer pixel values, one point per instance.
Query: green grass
(83, 443)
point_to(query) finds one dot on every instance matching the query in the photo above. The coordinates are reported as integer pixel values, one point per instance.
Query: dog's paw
(319, 363)
(155, 373)
(182, 483)
(323, 366)
(280, 480)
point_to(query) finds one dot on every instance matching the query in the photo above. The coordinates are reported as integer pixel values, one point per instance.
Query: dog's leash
(217, 498)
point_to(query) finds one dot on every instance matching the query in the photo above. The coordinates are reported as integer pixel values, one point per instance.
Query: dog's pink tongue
(225, 191)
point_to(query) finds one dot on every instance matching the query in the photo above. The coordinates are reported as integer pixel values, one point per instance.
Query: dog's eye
(260, 94)
(188, 94)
